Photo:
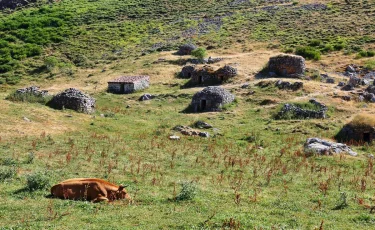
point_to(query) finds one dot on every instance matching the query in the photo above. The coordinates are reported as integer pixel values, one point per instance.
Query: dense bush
(188, 191)
(7, 173)
(199, 53)
(37, 181)
(308, 52)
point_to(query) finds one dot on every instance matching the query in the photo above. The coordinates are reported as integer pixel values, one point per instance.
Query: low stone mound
(32, 90)
(227, 71)
(293, 111)
(286, 65)
(284, 85)
(211, 99)
(73, 99)
(321, 147)
(188, 131)
(186, 49)
(13, 4)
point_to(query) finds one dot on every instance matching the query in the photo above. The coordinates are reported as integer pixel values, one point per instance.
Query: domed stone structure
(211, 99)
(286, 65)
(186, 49)
(73, 99)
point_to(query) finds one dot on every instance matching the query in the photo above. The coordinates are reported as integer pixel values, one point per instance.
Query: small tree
(199, 53)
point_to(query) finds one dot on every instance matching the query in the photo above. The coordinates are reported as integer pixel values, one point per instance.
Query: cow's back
(78, 190)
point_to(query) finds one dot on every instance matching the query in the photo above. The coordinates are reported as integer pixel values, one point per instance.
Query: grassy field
(250, 174)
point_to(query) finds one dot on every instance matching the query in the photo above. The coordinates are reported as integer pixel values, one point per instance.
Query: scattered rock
(26, 119)
(174, 137)
(370, 75)
(346, 98)
(330, 80)
(146, 97)
(347, 88)
(202, 125)
(341, 84)
(245, 85)
(322, 147)
(188, 131)
(284, 85)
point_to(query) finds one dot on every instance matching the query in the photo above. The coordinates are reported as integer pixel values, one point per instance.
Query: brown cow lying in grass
(91, 189)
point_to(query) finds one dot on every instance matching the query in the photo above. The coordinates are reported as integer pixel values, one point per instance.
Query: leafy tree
(199, 53)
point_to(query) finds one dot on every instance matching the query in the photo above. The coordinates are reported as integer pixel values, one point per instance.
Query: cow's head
(121, 193)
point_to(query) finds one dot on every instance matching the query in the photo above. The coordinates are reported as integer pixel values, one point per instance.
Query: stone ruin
(186, 49)
(32, 90)
(298, 113)
(73, 99)
(206, 75)
(321, 147)
(284, 85)
(13, 4)
(286, 65)
(211, 99)
(188, 131)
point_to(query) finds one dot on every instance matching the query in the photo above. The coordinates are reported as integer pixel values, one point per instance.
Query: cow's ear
(121, 187)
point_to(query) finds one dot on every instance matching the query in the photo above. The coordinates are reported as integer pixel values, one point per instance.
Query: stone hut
(360, 130)
(73, 99)
(226, 72)
(286, 65)
(128, 84)
(187, 71)
(208, 76)
(211, 99)
(204, 75)
(186, 49)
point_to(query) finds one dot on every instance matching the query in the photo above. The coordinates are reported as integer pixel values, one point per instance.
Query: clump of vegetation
(30, 158)
(199, 53)
(366, 53)
(188, 191)
(29, 97)
(342, 201)
(7, 173)
(363, 121)
(37, 181)
(309, 53)
(370, 64)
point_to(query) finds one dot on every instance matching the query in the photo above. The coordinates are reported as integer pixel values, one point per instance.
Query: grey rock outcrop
(13, 4)
(33, 90)
(322, 147)
(73, 99)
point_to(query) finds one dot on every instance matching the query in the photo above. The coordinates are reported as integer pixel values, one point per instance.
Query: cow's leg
(100, 199)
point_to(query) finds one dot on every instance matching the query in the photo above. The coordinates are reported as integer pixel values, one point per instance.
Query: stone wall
(287, 65)
(299, 113)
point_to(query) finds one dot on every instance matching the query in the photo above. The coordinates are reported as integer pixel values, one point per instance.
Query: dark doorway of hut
(122, 89)
(200, 79)
(203, 105)
(366, 137)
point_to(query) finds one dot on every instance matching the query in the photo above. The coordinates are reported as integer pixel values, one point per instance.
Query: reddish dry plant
(237, 198)
(363, 184)
(231, 224)
(254, 198)
(68, 157)
(323, 187)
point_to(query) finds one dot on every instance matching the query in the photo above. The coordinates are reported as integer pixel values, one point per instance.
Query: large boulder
(286, 65)
(322, 147)
(73, 99)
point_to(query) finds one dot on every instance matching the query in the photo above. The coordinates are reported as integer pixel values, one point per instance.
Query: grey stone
(26, 119)
(330, 80)
(202, 125)
(284, 85)
(13, 4)
(204, 134)
(245, 86)
(341, 84)
(322, 147)
(186, 49)
(299, 113)
(350, 69)
(34, 90)
(146, 97)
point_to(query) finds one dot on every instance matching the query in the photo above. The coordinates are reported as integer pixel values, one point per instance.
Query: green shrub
(199, 53)
(328, 48)
(366, 53)
(50, 63)
(7, 173)
(188, 191)
(308, 52)
(315, 42)
(370, 64)
(37, 181)
(28, 97)
(9, 161)
(30, 158)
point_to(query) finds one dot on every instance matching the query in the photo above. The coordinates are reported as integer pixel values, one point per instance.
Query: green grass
(272, 186)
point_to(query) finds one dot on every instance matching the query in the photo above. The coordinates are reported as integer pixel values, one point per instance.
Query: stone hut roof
(129, 79)
(186, 49)
(216, 93)
(227, 70)
(287, 65)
